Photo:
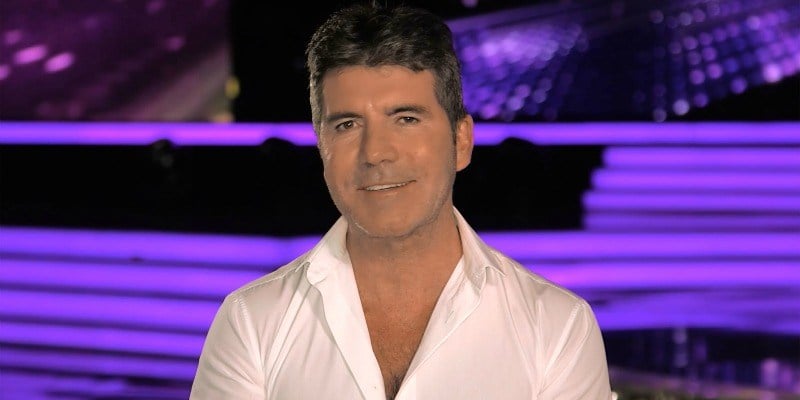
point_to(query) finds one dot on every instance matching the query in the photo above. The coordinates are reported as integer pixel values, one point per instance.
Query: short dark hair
(371, 35)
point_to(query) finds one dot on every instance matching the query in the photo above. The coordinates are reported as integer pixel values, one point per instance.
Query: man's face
(388, 150)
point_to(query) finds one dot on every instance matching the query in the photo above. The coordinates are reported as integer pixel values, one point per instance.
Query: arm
(230, 366)
(577, 368)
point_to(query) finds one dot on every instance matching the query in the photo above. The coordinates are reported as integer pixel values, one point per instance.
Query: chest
(477, 360)
(395, 336)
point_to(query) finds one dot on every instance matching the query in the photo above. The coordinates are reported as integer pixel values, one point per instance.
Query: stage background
(156, 155)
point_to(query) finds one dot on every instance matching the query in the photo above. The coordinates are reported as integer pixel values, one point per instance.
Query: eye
(344, 126)
(406, 120)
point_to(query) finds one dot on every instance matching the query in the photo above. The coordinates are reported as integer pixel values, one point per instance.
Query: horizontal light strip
(754, 182)
(154, 246)
(670, 311)
(205, 282)
(612, 133)
(608, 201)
(30, 383)
(103, 339)
(59, 386)
(249, 134)
(638, 310)
(584, 245)
(270, 252)
(131, 278)
(660, 222)
(151, 313)
(145, 133)
(702, 157)
(133, 312)
(672, 275)
(666, 309)
(99, 364)
(775, 277)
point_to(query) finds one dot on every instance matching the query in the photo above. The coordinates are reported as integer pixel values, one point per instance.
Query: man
(400, 299)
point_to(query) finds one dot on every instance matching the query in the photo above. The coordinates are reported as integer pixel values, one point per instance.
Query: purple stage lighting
(102, 339)
(100, 364)
(668, 310)
(135, 312)
(30, 385)
(671, 274)
(704, 157)
(126, 277)
(153, 246)
(486, 134)
(697, 202)
(733, 181)
(133, 134)
(30, 54)
(269, 252)
(676, 222)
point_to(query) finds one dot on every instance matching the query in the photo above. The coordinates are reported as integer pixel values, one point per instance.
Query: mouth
(388, 186)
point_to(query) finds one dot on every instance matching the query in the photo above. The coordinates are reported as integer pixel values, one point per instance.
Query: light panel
(208, 249)
(150, 279)
(749, 158)
(735, 181)
(103, 339)
(692, 202)
(100, 364)
(676, 275)
(486, 134)
(177, 315)
(672, 310)
(263, 251)
(671, 222)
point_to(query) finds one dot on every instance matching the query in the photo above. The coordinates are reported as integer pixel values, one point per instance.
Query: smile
(375, 188)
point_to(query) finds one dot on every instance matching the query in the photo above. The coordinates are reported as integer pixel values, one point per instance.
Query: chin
(385, 229)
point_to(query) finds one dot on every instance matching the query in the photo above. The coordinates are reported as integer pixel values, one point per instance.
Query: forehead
(348, 86)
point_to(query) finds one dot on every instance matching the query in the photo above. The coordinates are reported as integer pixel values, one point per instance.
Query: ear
(464, 142)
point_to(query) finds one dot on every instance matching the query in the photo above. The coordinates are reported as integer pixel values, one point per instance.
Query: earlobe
(464, 142)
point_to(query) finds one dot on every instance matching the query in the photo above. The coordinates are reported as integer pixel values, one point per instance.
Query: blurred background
(155, 155)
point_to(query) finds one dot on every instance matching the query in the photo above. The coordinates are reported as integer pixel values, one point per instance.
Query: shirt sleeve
(578, 368)
(229, 366)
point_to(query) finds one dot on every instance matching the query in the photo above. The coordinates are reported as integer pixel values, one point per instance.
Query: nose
(377, 146)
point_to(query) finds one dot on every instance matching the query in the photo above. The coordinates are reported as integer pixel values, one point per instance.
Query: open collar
(331, 253)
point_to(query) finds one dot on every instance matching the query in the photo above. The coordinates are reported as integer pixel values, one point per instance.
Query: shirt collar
(331, 253)
(477, 255)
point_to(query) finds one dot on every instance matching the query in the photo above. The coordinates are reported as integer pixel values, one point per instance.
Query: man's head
(392, 129)
(372, 36)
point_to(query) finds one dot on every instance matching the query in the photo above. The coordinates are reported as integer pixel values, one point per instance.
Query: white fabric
(497, 332)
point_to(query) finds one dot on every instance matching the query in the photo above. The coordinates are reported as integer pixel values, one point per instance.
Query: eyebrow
(412, 108)
(340, 115)
(403, 108)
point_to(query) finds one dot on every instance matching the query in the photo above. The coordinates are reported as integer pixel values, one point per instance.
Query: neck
(422, 260)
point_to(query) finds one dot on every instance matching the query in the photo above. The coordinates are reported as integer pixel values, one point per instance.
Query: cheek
(325, 156)
(332, 173)
(438, 158)
(336, 168)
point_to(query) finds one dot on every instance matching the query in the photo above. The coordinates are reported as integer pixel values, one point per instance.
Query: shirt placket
(446, 318)
(349, 330)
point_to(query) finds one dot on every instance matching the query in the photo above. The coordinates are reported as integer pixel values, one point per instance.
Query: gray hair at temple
(370, 35)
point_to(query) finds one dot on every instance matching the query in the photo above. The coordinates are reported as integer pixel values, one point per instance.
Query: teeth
(384, 187)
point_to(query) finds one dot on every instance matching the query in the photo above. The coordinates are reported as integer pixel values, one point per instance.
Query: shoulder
(242, 334)
(551, 318)
(270, 294)
(538, 295)
(275, 284)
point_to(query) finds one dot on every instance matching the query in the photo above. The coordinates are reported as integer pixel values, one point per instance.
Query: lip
(375, 188)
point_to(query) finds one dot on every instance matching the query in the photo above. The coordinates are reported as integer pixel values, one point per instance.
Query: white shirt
(497, 331)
